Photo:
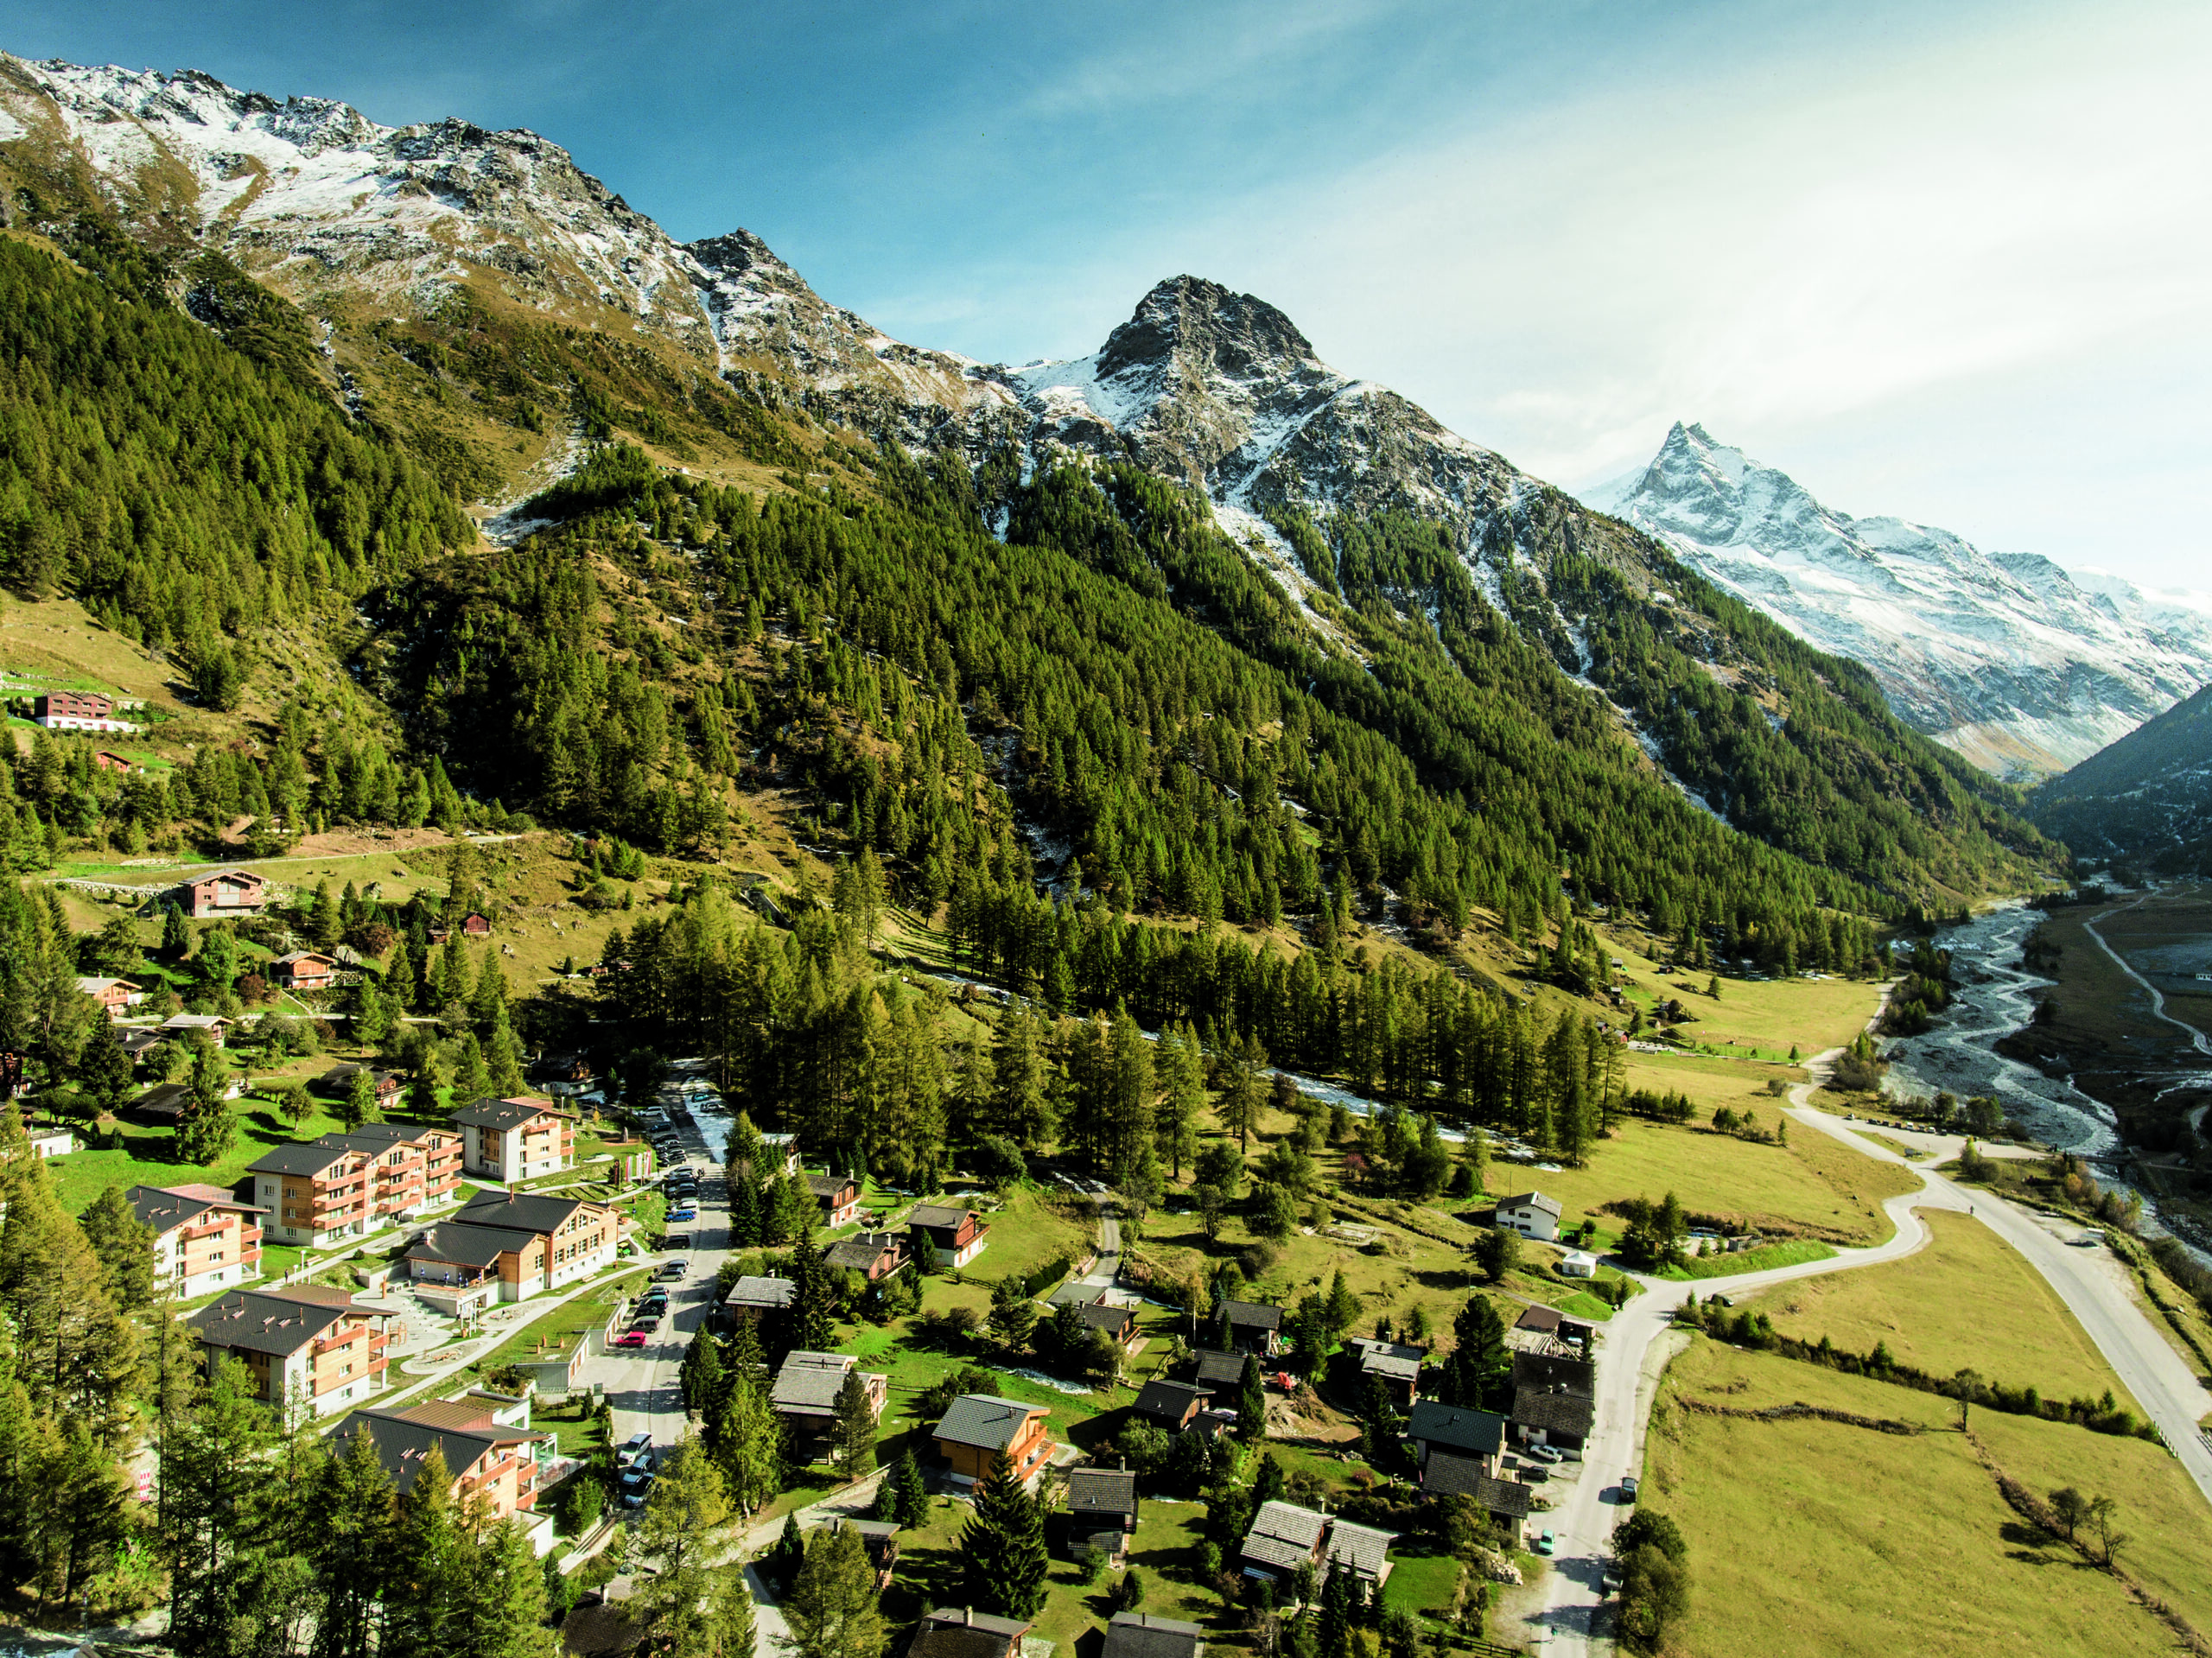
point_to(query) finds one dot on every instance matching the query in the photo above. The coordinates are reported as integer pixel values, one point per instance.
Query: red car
(631, 1338)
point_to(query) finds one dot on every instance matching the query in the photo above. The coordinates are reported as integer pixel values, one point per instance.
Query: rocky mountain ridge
(2003, 656)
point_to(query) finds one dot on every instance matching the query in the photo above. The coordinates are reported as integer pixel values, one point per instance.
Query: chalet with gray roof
(1101, 1512)
(1147, 1635)
(1531, 1214)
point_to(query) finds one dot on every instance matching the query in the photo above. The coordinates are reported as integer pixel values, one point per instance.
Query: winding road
(2157, 1001)
(2153, 1372)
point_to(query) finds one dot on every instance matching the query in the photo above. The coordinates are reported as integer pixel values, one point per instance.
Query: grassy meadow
(1967, 1301)
(1813, 1536)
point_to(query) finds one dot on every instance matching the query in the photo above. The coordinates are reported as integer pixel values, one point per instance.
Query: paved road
(640, 1382)
(2162, 1384)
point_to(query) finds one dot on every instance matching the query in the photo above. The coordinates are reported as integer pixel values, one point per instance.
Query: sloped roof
(520, 1211)
(1113, 1320)
(1219, 1369)
(1101, 1490)
(1170, 1401)
(1290, 1523)
(402, 1445)
(985, 1420)
(1543, 1318)
(1253, 1314)
(458, 1245)
(254, 1322)
(504, 1113)
(863, 1250)
(1362, 1549)
(1479, 1431)
(163, 1207)
(938, 1217)
(810, 1381)
(1389, 1359)
(961, 1632)
(830, 1186)
(1546, 1373)
(1141, 1634)
(1554, 1412)
(1532, 1200)
(303, 1158)
(760, 1293)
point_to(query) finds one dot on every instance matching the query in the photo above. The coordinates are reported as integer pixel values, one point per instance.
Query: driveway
(1628, 1362)
(1102, 1281)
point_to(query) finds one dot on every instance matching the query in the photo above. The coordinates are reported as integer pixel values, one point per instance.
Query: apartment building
(515, 1140)
(485, 1459)
(316, 1192)
(310, 1349)
(350, 1185)
(204, 1238)
(523, 1243)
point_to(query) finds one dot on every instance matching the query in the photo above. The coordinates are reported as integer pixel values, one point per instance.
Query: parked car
(631, 1338)
(1544, 1543)
(1611, 1578)
(1546, 1454)
(641, 1440)
(676, 1268)
(634, 1487)
(686, 1213)
(1628, 1488)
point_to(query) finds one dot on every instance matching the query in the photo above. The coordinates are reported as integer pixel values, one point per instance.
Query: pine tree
(748, 1440)
(176, 937)
(1003, 1546)
(910, 1496)
(350, 1548)
(124, 1245)
(813, 1317)
(207, 1131)
(853, 1434)
(831, 1606)
(471, 1079)
(361, 1104)
(1251, 1401)
(503, 1059)
(323, 922)
(104, 1071)
(500, 1608)
(744, 1213)
(224, 1526)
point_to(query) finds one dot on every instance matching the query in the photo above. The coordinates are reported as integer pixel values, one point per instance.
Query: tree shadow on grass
(2033, 1546)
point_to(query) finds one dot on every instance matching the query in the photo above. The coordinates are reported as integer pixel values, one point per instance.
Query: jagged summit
(1208, 326)
(2003, 656)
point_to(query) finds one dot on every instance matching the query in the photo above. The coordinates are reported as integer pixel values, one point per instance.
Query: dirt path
(2157, 1000)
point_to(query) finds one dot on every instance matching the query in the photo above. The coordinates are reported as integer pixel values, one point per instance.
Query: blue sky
(1945, 262)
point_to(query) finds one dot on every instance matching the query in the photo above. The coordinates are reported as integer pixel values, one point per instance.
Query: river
(1994, 997)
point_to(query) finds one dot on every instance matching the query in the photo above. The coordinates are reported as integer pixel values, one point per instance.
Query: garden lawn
(1814, 1536)
(557, 1331)
(1421, 1584)
(1795, 1252)
(930, 1572)
(1966, 1301)
(147, 1156)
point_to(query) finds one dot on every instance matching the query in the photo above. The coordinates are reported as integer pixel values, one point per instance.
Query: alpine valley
(1196, 612)
(2004, 657)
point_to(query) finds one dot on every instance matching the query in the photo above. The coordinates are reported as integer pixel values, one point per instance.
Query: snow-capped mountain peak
(2004, 657)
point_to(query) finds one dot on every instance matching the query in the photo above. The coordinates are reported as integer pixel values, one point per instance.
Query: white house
(1531, 1214)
